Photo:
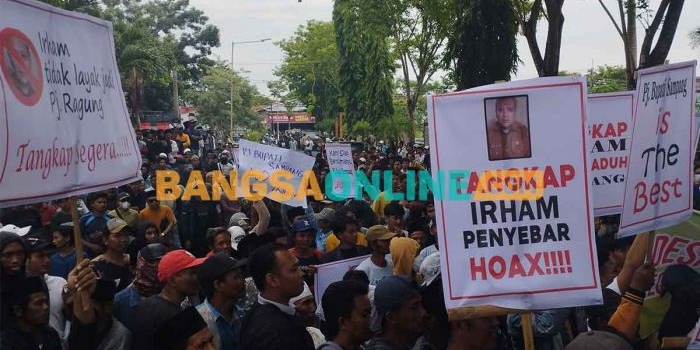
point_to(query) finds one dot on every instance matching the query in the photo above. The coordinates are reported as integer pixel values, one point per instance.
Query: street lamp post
(233, 44)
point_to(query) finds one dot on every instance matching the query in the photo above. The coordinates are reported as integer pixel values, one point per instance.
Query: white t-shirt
(374, 272)
(56, 319)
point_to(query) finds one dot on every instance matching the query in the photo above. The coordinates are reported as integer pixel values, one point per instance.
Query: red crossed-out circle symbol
(20, 65)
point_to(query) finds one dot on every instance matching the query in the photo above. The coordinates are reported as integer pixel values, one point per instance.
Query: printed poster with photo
(516, 219)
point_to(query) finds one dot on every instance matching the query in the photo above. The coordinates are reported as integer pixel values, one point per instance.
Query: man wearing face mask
(124, 211)
(225, 165)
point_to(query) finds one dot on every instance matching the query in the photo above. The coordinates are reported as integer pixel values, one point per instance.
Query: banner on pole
(609, 130)
(658, 186)
(267, 159)
(518, 230)
(64, 126)
(340, 161)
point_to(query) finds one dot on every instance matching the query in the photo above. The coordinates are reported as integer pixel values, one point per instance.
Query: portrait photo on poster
(507, 127)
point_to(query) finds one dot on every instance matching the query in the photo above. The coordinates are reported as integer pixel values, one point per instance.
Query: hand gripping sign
(658, 188)
(518, 234)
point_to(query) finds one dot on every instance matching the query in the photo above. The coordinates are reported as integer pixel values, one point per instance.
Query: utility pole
(233, 76)
(176, 97)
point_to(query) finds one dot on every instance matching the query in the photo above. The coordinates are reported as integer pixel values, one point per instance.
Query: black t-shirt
(121, 275)
(148, 317)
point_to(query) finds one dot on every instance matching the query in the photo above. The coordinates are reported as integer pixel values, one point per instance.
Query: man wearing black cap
(27, 326)
(38, 264)
(221, 278)
(124, 211)
(400, 314)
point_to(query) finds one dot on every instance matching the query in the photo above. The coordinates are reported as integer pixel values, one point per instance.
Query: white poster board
(340, 163)
(64, 126)
(658, 187)
(609, 129)
(333, 272)
(256, 156)
(501, 247)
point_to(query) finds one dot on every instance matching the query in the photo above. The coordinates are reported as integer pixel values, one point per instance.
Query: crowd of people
(239, 274)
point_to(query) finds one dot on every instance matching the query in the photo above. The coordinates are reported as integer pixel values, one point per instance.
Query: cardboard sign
(333, 272)
(256, 156)
(609, 130)
(519, 232)
(658, 187)
(339, 157)
(64, 126)
(677, 245)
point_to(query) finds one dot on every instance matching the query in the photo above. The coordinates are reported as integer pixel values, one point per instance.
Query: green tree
(366, 66)
(311, 69)
(483, 47)
(214, 96)
(419, 31)
(607, 79)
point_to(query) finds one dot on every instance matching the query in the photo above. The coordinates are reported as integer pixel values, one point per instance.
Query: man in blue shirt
(222, 279)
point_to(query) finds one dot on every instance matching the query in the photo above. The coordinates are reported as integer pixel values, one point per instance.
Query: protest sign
(609, 131)
(518, 234)
(333, 272)
(658, 185)
(677, 245)
(266, 159)
(64, 126)
(339, 157)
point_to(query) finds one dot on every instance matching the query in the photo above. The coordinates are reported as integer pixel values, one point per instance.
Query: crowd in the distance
(238, 274)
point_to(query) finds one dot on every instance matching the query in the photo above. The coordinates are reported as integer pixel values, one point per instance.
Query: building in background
(277, 117)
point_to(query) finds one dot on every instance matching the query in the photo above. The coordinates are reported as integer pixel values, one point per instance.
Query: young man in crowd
(62, 215)
(38, 264)
(400, 314)
(348, 311)
(304, 251)
(160, 215)
(272, 324)
(393, 216)
(27, 326)
(64, 259)
(93, 225)
(176, 273)
(186, 330)
(124, 211)
(114, 263)
(222, 278)
(219, 240)
(346, 231)
(347, 212)
(377, 266)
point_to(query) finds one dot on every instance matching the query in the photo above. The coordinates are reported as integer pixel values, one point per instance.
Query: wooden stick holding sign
(472, 312)
(78, 239)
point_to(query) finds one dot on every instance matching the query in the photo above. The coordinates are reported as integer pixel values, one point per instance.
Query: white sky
(589, 38)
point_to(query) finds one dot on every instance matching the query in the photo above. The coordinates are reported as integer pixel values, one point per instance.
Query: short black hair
(213, 232)
(294, 212)
(341, 222)
(339, 301)
(357, 275)
(97, 195)
(394, 209)
(263, 261)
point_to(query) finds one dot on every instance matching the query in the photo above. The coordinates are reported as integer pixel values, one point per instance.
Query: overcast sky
(589, 38)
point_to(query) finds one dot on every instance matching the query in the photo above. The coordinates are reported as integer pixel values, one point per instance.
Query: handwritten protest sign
(64, 126)
(333, 272)
(264, 158)
(609, 129)
(658, 186)
(519, 233)
(339, 157)
(677, 245)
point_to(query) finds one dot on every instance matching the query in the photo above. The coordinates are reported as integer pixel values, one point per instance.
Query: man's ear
(271, 279)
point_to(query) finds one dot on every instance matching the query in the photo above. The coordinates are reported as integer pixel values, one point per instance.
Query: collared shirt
(283, 307)
(226, 333)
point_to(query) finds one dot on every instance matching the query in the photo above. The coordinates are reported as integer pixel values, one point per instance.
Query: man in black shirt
(176, 272)
(272, 324)
(345, 229)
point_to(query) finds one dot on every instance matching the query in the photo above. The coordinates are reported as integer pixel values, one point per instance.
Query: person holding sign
(507, 137)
